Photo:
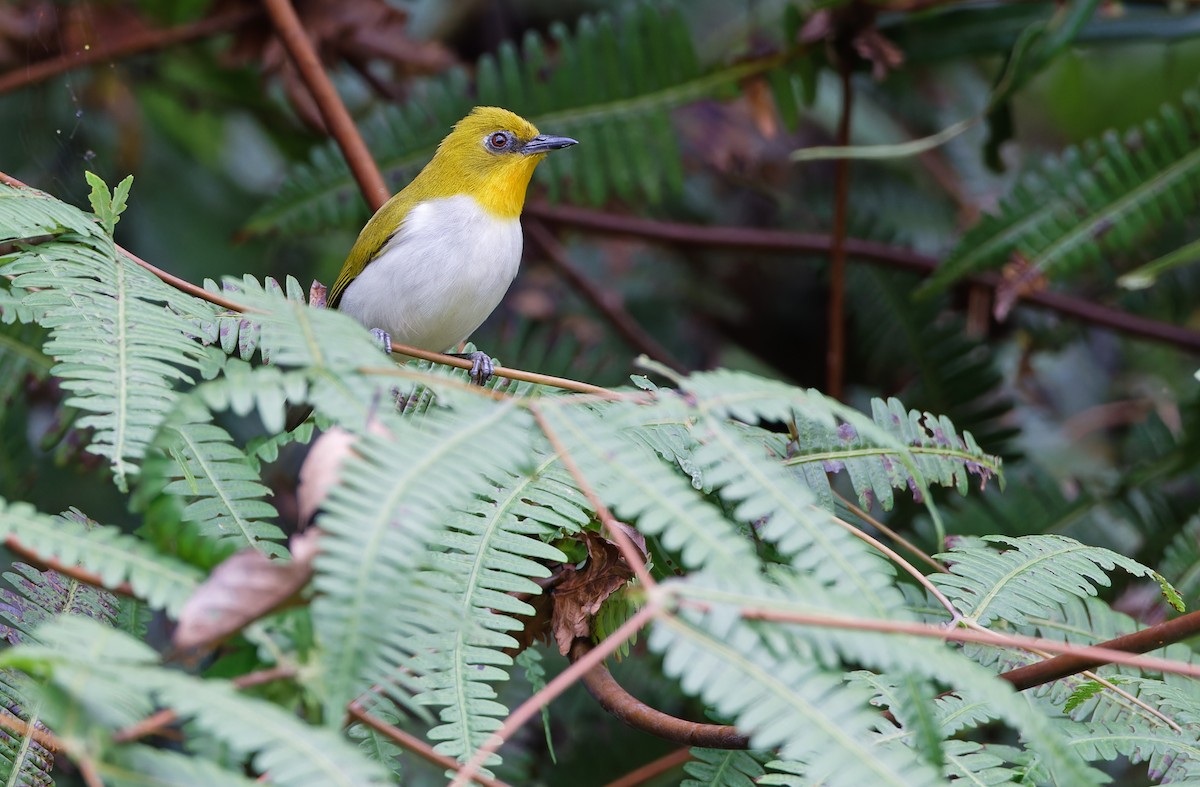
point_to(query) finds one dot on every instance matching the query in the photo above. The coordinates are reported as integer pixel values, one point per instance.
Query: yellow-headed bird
(436, 259)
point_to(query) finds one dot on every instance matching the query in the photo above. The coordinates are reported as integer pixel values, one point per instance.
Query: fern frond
(611, 85)
(145, 766)
(236, 334)
(198, 461)
(714, 768)
(640, 487)
(163, 582)
(1102, 197)
(23, 760)
(394, 495)
(107, 678)
(1028, 578)
(973, 763)
(1172, 756)
(117, 332)
(489, 551)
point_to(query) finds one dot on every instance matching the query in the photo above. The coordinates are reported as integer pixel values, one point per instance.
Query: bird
(438, 257)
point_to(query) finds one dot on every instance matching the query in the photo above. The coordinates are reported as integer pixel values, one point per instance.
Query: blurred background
(1053, 184)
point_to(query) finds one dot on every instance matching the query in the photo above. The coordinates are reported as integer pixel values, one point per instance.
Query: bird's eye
(499, 140)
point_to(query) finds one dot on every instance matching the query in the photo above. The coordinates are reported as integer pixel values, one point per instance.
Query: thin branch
(862, 535)
(155, 722)
(603, 302)
(835, 354)
(556, 686)
(892, 534)
(412, 743)
(645, 773)
(628, 549)
(45, 738)
(620, 703)
(1093, 655)
(30, 556)
(1071, 663)
(783, 241)
(132, 44)
(337, 119)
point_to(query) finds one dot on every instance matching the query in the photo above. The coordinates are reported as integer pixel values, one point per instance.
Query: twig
(556, 686)
(657, 767)
(620, 703)
(337, 118)
(892, 534)
(628, 549)
(603, 302)
(413, 743)
(44, 738)
(155, 722)
(30, 556)
(1092, 655)
(923, 580)
(132, 44)
(783, 241)
(835, 357)
(1071, 663)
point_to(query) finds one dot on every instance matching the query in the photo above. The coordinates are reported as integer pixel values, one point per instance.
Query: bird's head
(490, 155)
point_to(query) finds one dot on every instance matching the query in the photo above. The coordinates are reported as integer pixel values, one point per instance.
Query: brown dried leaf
(1019, 278)
(578, 597)
(244, 588)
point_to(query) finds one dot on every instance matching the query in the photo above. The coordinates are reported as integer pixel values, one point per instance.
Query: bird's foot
(383, 338)
(482, 366)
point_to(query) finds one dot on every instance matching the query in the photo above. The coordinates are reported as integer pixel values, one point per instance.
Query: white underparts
(439, 276)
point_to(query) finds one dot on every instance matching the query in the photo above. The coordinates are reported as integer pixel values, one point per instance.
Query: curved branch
(778, 241)
(637, 714)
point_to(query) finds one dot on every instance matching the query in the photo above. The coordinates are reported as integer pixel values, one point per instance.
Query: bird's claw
(483, 368)
(383, 338)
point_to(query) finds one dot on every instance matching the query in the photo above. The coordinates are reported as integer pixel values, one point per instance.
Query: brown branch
(155, 722)
(413, 743)
(784, 241)
(637, 714)
(530, 707)
(835, 353)
(337, 119)
(601, 301)
(133, 44)
(30, 556)
(1153, 638)
(44, 738)
(650, 770)
(629, 550)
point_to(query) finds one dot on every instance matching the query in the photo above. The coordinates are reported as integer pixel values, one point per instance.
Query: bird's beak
(544, 143)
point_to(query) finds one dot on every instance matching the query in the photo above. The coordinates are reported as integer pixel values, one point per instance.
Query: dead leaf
(244, 588)
(1018, 279)
(320, 470)
(577, 598)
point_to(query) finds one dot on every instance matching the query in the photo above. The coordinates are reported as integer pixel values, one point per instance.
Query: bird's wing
(379, 230)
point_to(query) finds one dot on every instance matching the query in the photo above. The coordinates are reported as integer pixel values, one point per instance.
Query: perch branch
(30, 556)
(652, 769)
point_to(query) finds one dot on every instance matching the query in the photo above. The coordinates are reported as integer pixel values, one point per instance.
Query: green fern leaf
(163, 582)
(1103, 197)
(1027, 579)
(713, 768)
(489, 551)
(393, 498)
(117, 332)
(198, 461)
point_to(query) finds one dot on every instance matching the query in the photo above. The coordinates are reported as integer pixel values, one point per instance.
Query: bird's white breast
(439, 277)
